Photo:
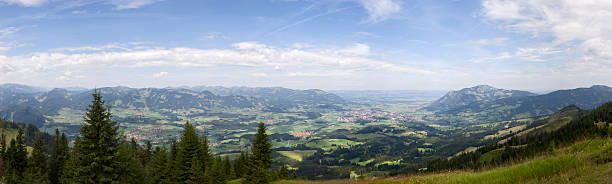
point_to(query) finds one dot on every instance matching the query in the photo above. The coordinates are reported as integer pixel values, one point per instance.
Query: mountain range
(23, 103)
(521, 104)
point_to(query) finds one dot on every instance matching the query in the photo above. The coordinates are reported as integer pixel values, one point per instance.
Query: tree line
(594, 124)
(101, 155)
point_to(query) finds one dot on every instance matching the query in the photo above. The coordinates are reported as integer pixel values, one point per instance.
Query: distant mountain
(11, 88)
(23, 114)
(26, 104)
(276, 94)
(467, 96)
(530, 106)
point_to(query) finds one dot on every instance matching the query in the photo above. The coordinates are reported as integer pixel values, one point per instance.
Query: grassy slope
(574, 164)
(12, 134)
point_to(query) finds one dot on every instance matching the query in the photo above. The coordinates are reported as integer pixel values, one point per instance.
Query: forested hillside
(594, 124)
(101, 154)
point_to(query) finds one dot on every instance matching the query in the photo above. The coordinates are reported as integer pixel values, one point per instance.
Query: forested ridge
(101, 154)
(593, 124)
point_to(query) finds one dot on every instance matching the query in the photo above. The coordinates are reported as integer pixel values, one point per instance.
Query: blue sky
(326, 44)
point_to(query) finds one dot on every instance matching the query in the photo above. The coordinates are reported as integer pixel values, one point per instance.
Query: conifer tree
(129, 168)
(283, 173)
(196, 174)
(189, 148)
(261, 160)
(59, 156)
(17, 158)
(100, 141)
(240, 168)
(170, 173)
(36, 172)
(38, 158)
(227, 167)
(159, 166)
(262, 148)
(3, 145)
(206, 157)
(216, 173)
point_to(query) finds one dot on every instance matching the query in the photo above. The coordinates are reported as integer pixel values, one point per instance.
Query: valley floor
(588, 161)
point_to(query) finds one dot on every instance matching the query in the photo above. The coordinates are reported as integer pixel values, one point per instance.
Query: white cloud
(502, 9)
(68, 75)
(492, 41)
(359, 49)
(502, 56)
(244, 54)
(8, 31)
(259, 74)
(581, 27)
(318, 74)
(160, 74)
(362, 34)
(214, 35)
(301, 45)
(131, 4)
(26, 3)
(380, 10)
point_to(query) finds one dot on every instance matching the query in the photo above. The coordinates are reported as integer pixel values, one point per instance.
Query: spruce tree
(196, 174)
(3, 145)
(261, 160)
(283, 173)
(170, 173)
(189, 148)
(38, 158)
(262, 148)
(206, 157)
(129, 168)
(216, 173)
(227, 167)
(70, 170)
(159, 166)
(17, 158)
(59, 156)
(37, 170)
(100, 141)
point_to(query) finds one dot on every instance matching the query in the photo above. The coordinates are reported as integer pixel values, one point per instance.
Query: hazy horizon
(304, 44)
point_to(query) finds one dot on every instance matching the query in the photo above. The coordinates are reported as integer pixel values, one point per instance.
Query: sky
(305, 44)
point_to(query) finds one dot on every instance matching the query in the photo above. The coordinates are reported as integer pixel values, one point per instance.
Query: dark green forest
(101, 154)
(589, 125)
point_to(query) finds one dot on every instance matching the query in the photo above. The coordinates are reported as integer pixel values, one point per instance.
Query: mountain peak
(466, 96)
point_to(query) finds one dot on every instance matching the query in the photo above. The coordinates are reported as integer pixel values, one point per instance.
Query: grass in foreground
(584, 162)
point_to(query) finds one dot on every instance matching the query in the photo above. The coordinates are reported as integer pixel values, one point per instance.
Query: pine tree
(206, 157)
(227, 166)
(170, 173)
(71, 168)
(17, 158)
(59, 156)
(159, 166)
(189, 148)
(38, 158)
(129, 168)
(100, 141)
(3, 145)
(240, 168)
(216, 173)
(262, 148)
(283, 173)
(196, 174)
(261, 160)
